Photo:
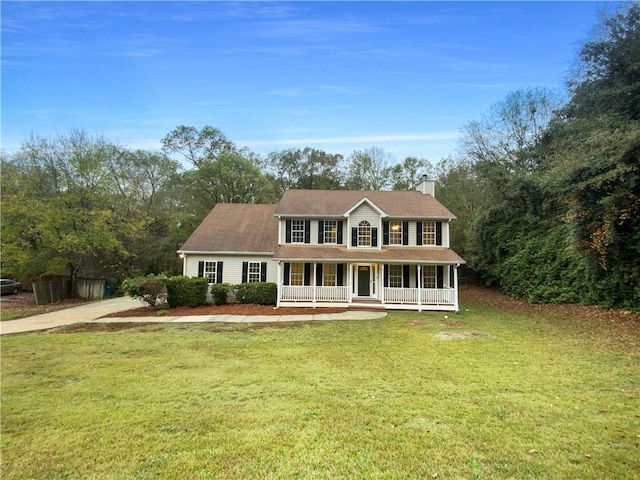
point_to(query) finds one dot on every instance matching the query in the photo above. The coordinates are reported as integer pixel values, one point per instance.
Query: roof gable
(368, 202)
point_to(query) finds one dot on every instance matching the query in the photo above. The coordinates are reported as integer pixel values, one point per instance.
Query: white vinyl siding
(232, 266)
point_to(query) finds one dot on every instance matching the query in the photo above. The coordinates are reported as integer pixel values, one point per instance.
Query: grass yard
(501, 390)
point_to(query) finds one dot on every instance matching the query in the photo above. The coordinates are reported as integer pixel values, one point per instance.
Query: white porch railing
(332, 294)
(322, 294)
(428, 296)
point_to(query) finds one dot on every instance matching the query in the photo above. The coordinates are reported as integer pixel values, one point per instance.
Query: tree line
(546, 190)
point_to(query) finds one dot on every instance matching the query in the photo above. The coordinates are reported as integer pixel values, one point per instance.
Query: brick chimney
(428, 187)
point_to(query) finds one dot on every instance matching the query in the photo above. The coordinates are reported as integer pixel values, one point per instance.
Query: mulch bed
(232, 309)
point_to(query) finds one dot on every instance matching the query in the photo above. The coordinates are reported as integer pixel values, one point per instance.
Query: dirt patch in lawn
(232, 309)
(460, 335)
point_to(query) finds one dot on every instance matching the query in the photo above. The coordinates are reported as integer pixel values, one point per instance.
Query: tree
(229, 178)
(56, 215)
(507, 135)
(607, 79)
(409, 173)
(368, 169)
(304, 169)
(195, 145)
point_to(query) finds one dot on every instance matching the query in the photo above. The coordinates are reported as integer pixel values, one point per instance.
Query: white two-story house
(334, 248)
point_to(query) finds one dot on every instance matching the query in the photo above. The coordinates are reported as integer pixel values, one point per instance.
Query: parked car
(9, 286)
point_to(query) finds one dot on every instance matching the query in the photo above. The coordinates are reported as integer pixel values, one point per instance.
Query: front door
(364, 277)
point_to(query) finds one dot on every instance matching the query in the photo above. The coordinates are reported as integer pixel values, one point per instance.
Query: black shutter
(386, 275)
(418, 233)
(263, 272)
(374, 237)
(405, 233)
(245, 271)
(417, 276)
(287, 238)
(307, 231)
(438, 233)
(201, 269)
(340, 232)
(307, 274)
(287, 272)
(405, 276)
(219, 272)
(385, 233)
(340, 274)
(318, 275)
(354, 237)
(320, 232)
(439, 275)
(451, 273)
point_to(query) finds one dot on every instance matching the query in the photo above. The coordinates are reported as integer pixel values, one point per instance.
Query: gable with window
(364, 235)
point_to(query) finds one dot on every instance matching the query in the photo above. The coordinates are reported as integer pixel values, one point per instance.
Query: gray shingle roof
(235, 227)
(389, 254)
(406, 204)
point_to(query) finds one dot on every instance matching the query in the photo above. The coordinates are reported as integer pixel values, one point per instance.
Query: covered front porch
(407, 286)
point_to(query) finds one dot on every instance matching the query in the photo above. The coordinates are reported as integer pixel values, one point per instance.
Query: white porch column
(455, 285)
(279, 283)
(315, 266)
(419, 273)
(381, 283)
(350, 280)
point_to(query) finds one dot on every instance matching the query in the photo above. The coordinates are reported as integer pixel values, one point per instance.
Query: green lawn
(545, 394)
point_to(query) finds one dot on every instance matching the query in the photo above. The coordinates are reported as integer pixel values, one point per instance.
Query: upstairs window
(297, 231)
(395, 233)
(364, 234)
(428, 233)
(330, 231)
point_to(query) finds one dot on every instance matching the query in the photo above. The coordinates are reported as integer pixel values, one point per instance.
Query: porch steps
(366, 304)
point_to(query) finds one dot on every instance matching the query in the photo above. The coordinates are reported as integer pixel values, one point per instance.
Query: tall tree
(514, 125)
(197, 146)
(55, 207)
(368, 169)
(407, 174)
(307, 168)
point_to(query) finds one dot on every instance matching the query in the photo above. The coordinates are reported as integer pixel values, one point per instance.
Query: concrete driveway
(68, 316)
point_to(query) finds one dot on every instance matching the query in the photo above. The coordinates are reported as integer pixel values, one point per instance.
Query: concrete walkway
(92, 312)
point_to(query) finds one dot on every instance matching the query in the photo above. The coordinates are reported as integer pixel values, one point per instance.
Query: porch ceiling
(399, 254)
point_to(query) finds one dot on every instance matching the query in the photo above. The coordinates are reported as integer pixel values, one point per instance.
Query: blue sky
(343, 76)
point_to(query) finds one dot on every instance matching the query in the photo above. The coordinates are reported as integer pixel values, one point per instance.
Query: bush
(220, 293)
(262, 293)
(186, 292)
(152, 289)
